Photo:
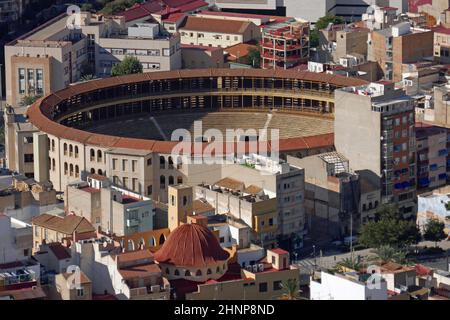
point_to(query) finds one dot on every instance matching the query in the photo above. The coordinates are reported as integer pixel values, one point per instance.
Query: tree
(349, 263)
(27, 100)
(322, 23)
(387, 254)
(87, 77)
(290, 288)
(129, 65)
(434, 231)
(253, 57)
(390, 229)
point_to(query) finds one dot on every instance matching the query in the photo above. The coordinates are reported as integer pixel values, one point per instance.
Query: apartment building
(379, 18)
(15, 239)
(113, 209)
(255, 208)
(65, 288)
(396, 47)
(49, 228)
(337, 200)
(25, 198)
(339, 41)
(52, 56)
(347, 286)
(19, 141)
(217, 33)
(442, 38)
(382, 118)
(133, 275)
(433, 205)
(432, 154)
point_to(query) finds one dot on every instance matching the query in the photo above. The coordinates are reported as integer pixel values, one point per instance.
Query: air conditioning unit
(255, 268)
(249, 268)
(260, 267)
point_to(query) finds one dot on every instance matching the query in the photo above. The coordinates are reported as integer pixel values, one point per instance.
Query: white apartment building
(348, 286)
(16, 239)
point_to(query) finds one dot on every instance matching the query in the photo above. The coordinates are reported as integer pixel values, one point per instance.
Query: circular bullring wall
(132, 117)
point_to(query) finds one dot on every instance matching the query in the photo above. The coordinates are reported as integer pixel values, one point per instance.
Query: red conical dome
(191, 245)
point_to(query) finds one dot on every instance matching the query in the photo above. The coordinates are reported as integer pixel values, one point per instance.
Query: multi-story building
(49, 228)
(132, 275)
(434, 205)
(442, 38)
(20, 280)
(348, 286)
(217, 33)
(15, 239)
(113, 209)
(66, 289)
(339, 41)
(25, 198)
(383, 120)
(349, 9)
(285, 45)
(52, 56)
(19, 141)
(337, 200)
(251, 204)
(379, 18)
(432, 153)
(396, 47)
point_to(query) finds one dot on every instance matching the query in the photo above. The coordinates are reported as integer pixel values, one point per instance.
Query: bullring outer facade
(120, 127)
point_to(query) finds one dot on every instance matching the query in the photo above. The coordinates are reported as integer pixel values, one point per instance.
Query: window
(198, 273)
(263, 287)
(39, 81)
(71, 170)
(149, 162)
(92, 153)
(162, 182)
(28, 157)
(171, 180)
(77, 171)
(65, 149)
(125, 182)
(80, 292)
(99, 156)
(135, 184)
(21, 80)
(76, 152)
(124, 164)
(222, 240)
(133, 165)
(30, 78)
(114, 163)
(162, 162)
(187, 273)
(149, 190)
(277, 285)
(271, 222)
(176, 273)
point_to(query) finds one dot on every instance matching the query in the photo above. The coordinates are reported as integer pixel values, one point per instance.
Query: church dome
(191, 245)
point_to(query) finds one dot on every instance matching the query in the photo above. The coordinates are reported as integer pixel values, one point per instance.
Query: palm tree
(290, 288)
(349, 263)
(87, 77)
(387, 254)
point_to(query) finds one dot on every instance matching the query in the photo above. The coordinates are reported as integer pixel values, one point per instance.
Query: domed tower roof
(191, 245)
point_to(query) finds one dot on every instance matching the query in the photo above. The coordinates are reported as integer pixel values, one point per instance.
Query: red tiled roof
(174, 17)
(279, 251)
(191, 245)
(215, 25)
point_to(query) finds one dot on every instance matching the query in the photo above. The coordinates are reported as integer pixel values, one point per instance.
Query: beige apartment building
(48, 228)
(19, 141)
(53, 56)
(113, 209)
(66, 289)
(382, 118)
(339, 41)
(399, 45)
(217, 33)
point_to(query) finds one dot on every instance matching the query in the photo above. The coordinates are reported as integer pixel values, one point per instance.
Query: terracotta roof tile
(214, 25)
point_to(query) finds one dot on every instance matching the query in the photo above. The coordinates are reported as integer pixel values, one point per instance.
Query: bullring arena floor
(146, 127)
